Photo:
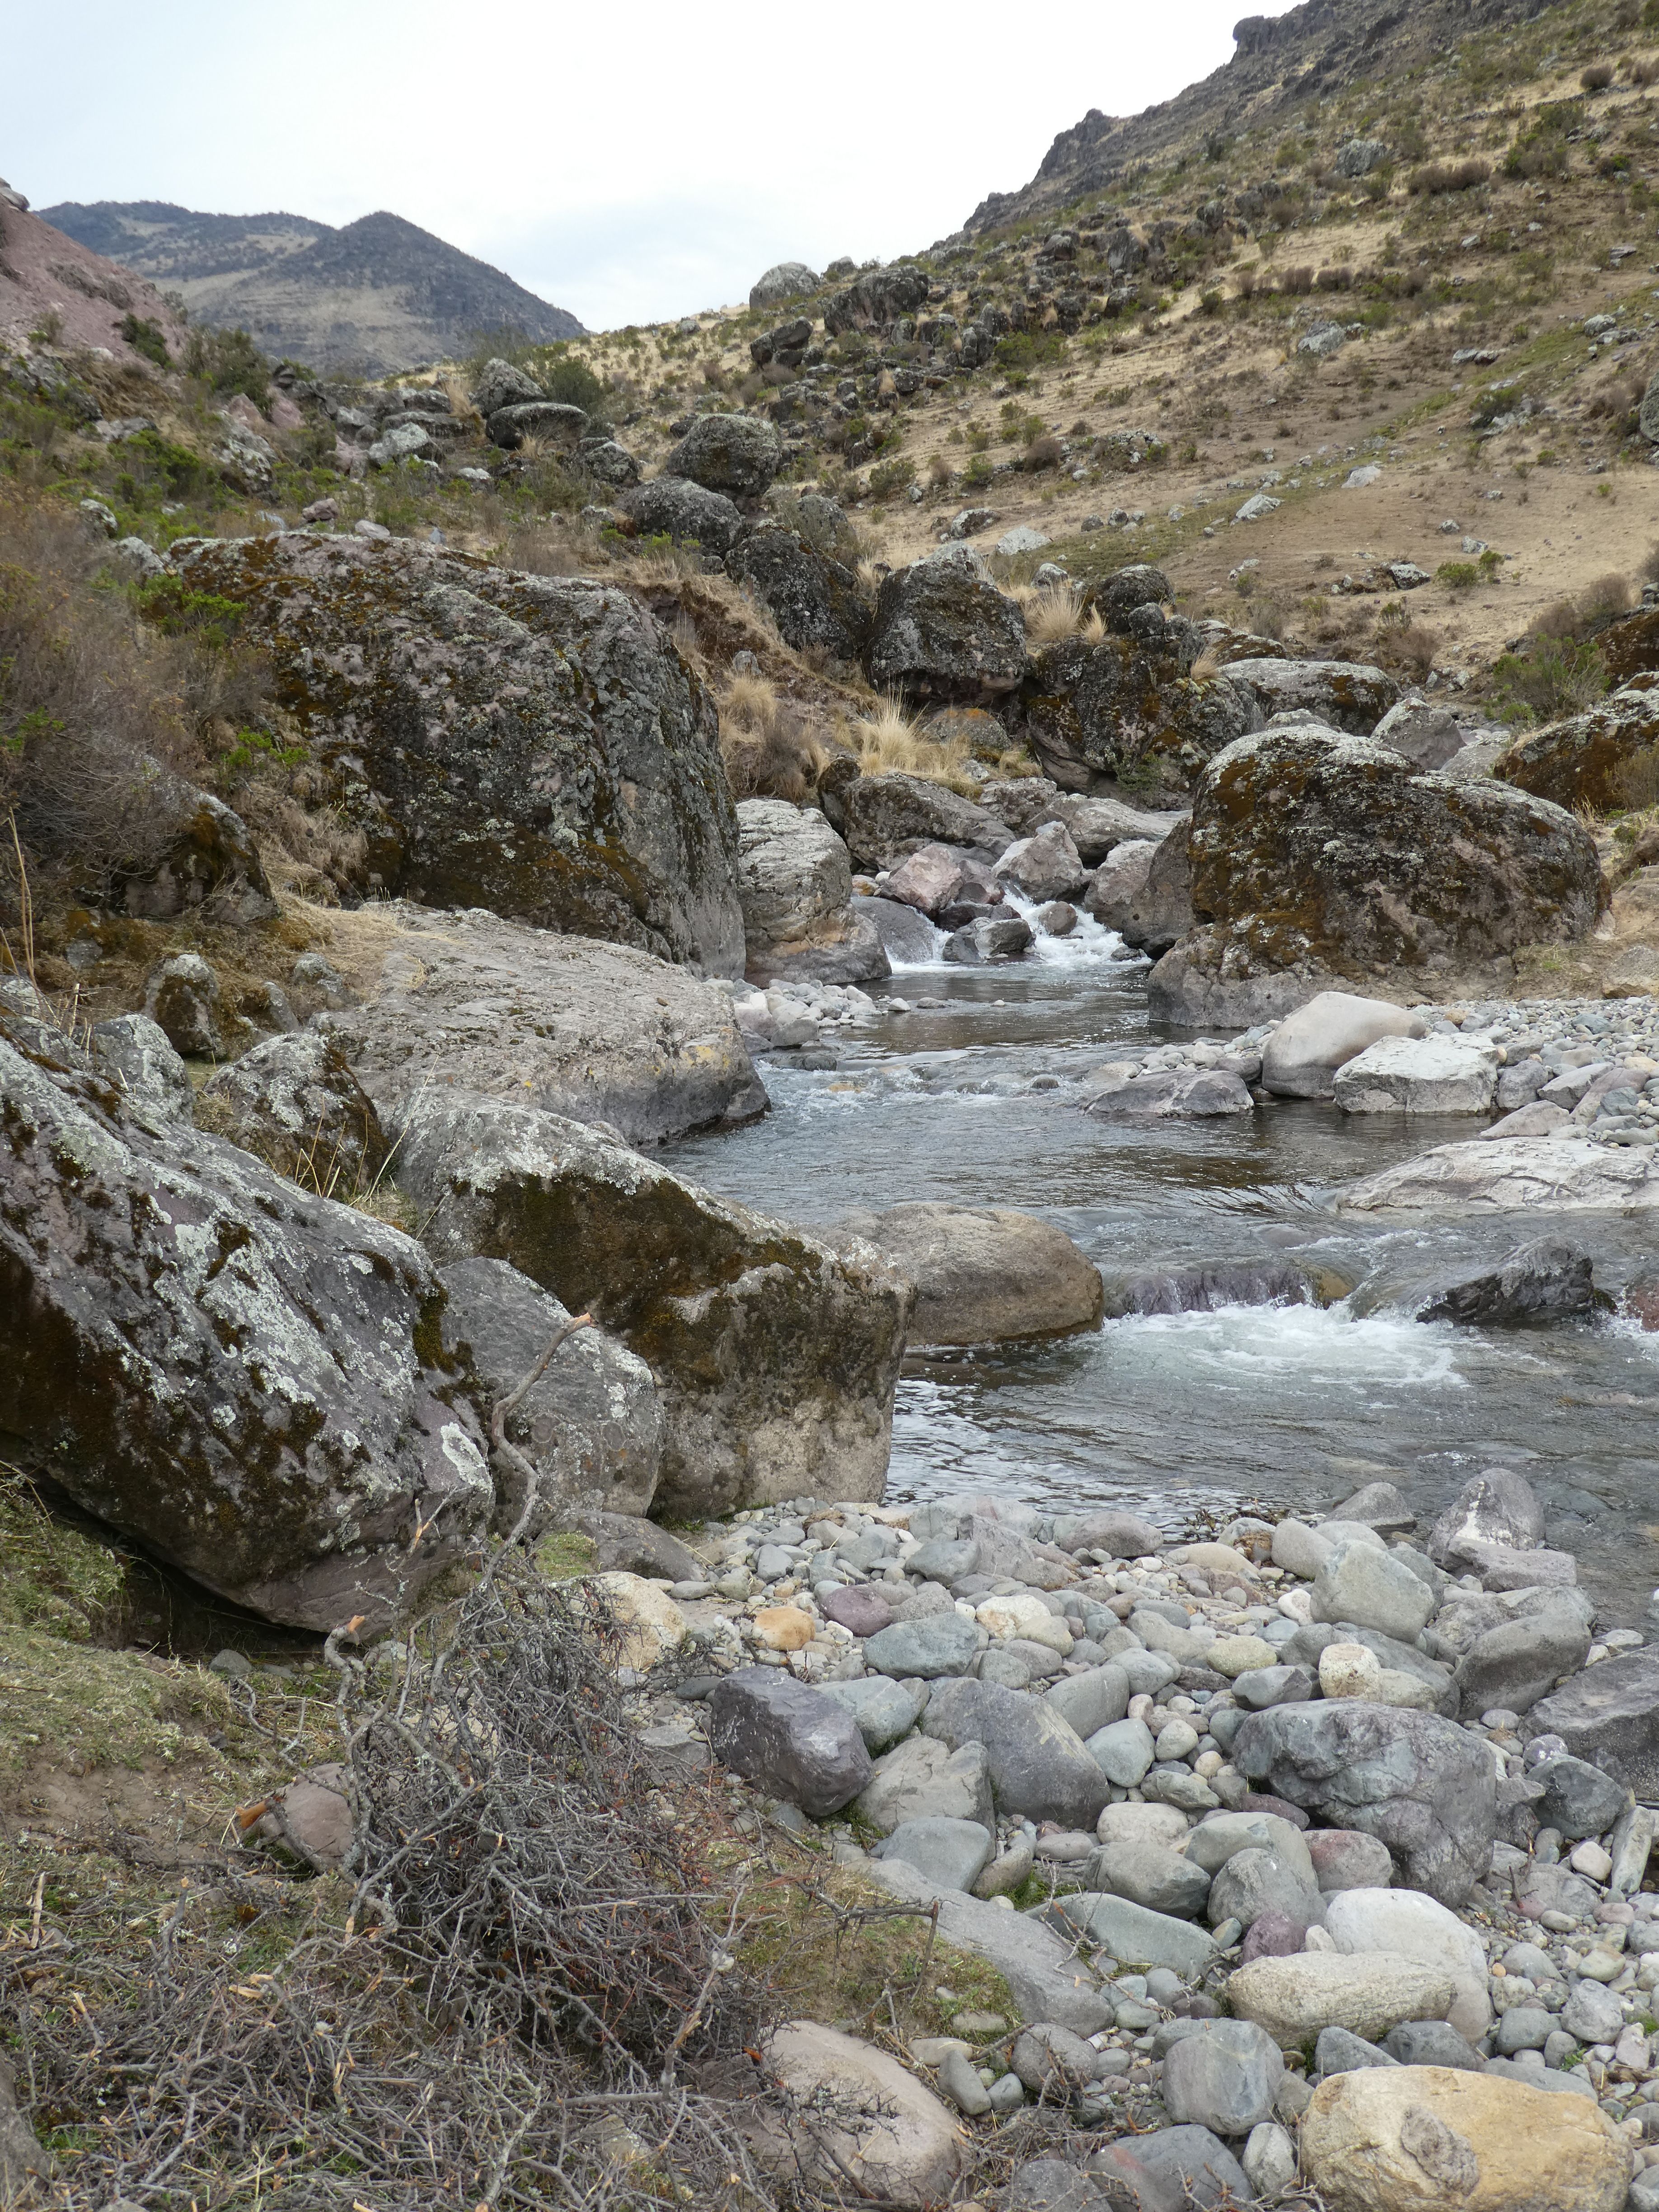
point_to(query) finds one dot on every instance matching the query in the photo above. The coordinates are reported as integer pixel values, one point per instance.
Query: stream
(975, 1099)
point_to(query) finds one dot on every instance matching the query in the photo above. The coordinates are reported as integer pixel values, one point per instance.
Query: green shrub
(146, 338)
(891, 478)
(1028, 349)
(1458, 575)
(1557, 677)
(229, 362)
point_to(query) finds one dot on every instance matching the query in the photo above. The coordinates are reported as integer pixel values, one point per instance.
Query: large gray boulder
(1039, 1766)
(736, 454)
(888, 817)
(1495, 1507)
(591, 1427)
(532, 745)
(796, 880)
(814, 600)
(789, 1738)
(551, 420)
(187, 852)
(295, 1102)
(132, 1052)
(1415, 1781)
(1609, 1715)
(1516, 1662)
(1158, 911)
(921, 1780)
(783, 282)
(1301, 1057)
(500, 384)
(596, 1032)
(1223, 2077)
(1316, 857)
(245, 1377)
(1345, 695)
(1128, 706)
(777, 1357)
(944, 631)
(983, 1272)
(687, 512)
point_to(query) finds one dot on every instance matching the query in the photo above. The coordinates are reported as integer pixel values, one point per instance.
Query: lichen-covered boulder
(1588, 760)
(943, 630)
(886, 819)
(597, 1032)
(248, 1378)
(500, 384)
(1129, 705)
(798, 914)
(776, 1358)
(1316, 857)
(675, 507)
(549, 419)
(736, 454)
(1345, 695)
(532, 745)
(785, 280)
(209, 859)
(814, 600)
(295, 1102)
(591, 1427)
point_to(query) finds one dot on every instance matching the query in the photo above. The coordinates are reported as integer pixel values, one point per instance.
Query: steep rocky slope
(377, 294)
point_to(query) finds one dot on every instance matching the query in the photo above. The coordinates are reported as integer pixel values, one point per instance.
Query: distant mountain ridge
(1281, 60)
(372, 296)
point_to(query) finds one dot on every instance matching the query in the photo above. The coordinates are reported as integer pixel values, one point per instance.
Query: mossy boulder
(1129, 708)
(294, 1102)
(248, 1378)
(777, 1357)
(1593, 759)
(1316, 857)
(944, 631)
(736, 454)
(527, 744)
(814, 600)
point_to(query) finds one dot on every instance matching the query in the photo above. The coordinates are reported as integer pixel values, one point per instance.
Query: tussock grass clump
(768, 751)
(887, 740)
(1435, 179)
(1054, 611)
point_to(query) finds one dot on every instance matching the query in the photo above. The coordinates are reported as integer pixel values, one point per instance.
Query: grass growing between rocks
(831, 1948)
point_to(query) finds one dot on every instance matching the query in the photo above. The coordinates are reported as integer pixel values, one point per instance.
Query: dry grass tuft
(887, 741)
(769, 752)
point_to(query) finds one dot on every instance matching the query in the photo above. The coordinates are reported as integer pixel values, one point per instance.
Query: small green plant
(1556, 678)
(146, 337)
(1028, 349)
(171, 606)
(1458, 575)
(229, 361)
(888, 478)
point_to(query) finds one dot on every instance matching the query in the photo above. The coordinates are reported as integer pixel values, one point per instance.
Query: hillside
(374, 296)
(1282, 66)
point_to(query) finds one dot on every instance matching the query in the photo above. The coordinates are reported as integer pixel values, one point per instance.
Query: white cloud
(631, 165)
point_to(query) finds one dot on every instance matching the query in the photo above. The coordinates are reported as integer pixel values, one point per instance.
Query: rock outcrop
(1318, 857)
(814, 599)
(776, 1356)
(597, 1032)
(1130, 706)
(531, 745)
(249, 1379)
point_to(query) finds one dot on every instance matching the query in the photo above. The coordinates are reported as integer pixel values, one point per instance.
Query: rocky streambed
(1263, 1338)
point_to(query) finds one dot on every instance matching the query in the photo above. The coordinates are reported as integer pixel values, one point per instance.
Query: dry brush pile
(505, 1998)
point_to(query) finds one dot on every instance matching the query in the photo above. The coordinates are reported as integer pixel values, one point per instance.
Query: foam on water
(1329, 1347)
(1090, 945)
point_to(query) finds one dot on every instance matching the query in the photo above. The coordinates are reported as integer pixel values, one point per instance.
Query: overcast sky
(630, 163)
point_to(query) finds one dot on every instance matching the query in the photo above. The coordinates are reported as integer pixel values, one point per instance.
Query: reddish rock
(865, 1612)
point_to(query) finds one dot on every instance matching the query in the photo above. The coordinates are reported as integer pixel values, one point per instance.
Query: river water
(1188, 1415)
